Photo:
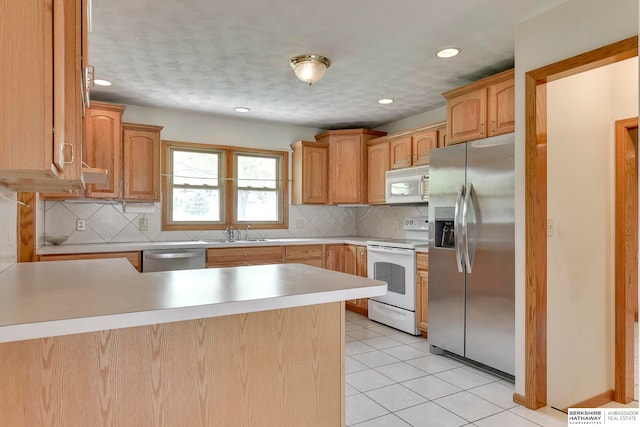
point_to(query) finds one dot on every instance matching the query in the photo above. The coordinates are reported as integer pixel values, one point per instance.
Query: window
(213, 187)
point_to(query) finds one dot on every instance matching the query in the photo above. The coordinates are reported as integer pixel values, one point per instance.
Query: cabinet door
(422, 143)
(346, 181)
(141, 162)
(361, 261)
(32, 70)
(501, 105)
(378, 159)
(400, 150)
(315, 175)
(334, 257)
(466, 116)
(350, 259)
(422, 298)
(442, 136)
(103, 148)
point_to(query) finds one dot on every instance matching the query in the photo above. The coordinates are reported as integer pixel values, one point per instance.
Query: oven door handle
(388, 251)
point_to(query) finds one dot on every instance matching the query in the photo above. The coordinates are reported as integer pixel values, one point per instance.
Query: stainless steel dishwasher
(173, 259)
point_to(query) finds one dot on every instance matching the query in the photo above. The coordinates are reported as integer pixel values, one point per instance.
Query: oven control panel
(416, 223)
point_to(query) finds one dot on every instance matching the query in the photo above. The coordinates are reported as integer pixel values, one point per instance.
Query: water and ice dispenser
(445, 232)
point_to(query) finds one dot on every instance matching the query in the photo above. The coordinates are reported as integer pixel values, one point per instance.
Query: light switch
(550, 227)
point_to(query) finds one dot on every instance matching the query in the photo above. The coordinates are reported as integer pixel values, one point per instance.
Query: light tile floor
(392, 380)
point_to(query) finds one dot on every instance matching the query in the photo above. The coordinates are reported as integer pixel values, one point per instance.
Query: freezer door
(489, 241)
(446, 277)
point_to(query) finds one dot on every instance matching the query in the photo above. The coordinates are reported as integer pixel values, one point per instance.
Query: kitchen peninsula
(96, 343)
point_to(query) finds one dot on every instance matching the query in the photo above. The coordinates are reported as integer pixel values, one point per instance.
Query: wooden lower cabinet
(271, 368)
(133, 257)
(355, 262)
(248, 255)
(334, 257)
(422, 292)
(305, 254)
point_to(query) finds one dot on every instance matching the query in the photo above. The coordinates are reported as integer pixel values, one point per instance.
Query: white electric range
(394, 261)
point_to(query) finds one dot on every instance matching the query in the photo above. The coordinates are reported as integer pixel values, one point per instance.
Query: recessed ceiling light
(241, 110)
(101, 82)
(448, 52)
(385, 101)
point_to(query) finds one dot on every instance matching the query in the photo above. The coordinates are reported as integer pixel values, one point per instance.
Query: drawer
(303, 252)
(422, 261)
(227, 257)
(133, 257)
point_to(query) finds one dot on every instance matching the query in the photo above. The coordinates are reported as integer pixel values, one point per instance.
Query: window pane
(257, 205)
(193, 168)
(257, 172)
(196, 205)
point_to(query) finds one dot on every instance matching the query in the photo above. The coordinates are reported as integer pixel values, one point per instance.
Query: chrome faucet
(228, 234)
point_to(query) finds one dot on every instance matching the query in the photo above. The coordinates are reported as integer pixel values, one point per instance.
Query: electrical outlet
(299, 224)
(81, 225)
(143, 224)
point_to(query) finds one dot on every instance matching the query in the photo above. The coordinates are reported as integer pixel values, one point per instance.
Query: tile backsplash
(8, 218)
(108, 223)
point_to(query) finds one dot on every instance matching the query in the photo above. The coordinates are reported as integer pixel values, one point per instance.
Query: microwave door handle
(457, 230)
(469, 218)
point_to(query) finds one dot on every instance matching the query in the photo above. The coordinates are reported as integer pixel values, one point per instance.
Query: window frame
(227, 175)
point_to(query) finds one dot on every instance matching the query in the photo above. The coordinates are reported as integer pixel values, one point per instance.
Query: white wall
(582, 111)
(573, 27)
(8, 236)
(429, 117)
(189, 126)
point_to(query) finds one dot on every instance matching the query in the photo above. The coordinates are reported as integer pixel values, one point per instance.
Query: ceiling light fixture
(309, 68)
(241, 110)
(101, 82)
(448, 52)
(384, 101)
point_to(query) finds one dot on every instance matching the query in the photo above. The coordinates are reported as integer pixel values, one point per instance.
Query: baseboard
(519, 399)
(593, 402)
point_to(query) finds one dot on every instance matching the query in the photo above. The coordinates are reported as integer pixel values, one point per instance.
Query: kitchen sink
(241, 241)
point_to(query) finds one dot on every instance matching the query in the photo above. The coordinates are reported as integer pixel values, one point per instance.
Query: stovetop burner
(416, 232)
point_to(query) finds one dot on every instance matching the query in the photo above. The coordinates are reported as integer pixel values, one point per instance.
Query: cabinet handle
(481, 128)
(73, 153)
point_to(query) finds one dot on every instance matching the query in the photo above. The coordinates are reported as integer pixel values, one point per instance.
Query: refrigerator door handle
(469, 219)
(457, 227)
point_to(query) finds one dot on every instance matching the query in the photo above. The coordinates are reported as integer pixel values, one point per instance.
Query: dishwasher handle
(173, 255)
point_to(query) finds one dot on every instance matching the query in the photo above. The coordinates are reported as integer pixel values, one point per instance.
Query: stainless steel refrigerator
(471, 252)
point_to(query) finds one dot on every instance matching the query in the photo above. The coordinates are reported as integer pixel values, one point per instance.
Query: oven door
(397, 267)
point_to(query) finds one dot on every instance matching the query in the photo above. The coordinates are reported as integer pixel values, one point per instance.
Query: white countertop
(140, 246)
(44, 299)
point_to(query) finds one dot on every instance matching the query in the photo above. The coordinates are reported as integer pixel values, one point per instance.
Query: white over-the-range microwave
(409, 185)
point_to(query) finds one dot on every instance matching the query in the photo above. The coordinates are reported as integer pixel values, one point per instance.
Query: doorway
(626, 260)
(536, 208)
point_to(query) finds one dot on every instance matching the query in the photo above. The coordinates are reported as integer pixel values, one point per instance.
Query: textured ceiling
(214, 55)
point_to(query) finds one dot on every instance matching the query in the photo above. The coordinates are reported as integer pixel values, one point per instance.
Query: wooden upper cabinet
(141, 162)
(310, 177)
(502, 117)
(481, 109)
(103, 147)
(33, 150)
(422, 143)
(401, 152)
(378, 165)
(467, 115)
(348, 164)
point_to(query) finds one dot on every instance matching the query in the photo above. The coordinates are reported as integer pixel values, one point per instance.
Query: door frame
(626, 259)
(536, 206)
